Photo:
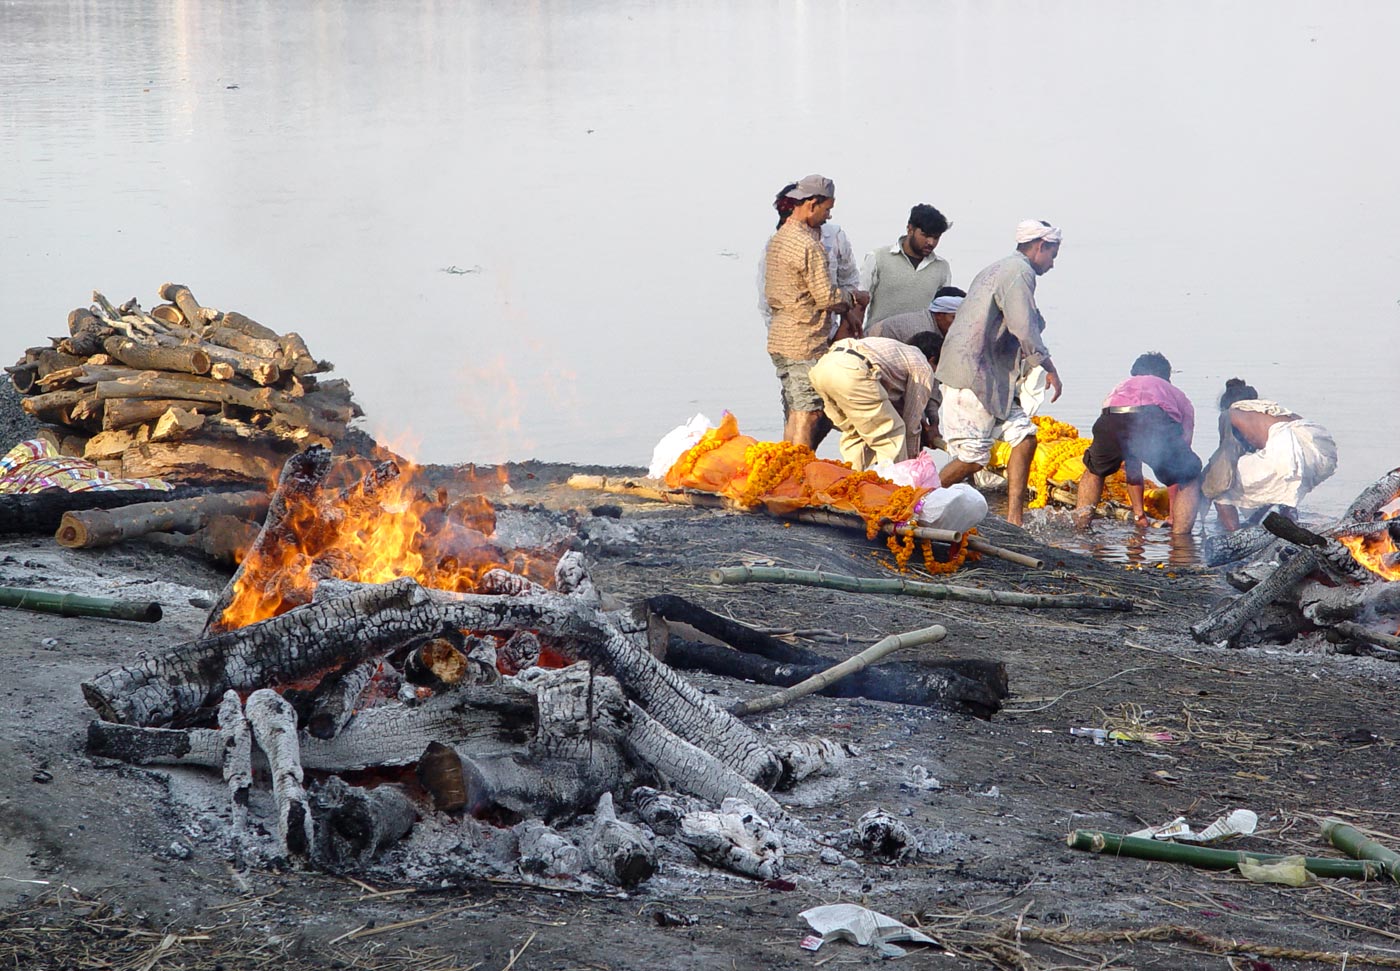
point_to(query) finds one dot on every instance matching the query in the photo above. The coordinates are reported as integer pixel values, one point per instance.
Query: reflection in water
(1113, 541)
(609, 168)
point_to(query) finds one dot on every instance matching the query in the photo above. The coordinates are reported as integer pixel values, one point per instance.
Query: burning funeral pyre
(1341, 578)
(385, 664)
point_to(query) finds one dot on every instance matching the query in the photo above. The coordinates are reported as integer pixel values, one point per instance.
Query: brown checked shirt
(799, 289)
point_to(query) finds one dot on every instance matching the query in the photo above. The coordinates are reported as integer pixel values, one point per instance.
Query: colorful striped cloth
(36, 465)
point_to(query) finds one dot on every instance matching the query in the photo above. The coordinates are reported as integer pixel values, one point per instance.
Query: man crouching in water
(1145, 419)
(1268, 456)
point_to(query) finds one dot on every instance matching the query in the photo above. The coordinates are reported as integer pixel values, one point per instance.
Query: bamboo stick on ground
(979, 545)
(867, 657)
(932, 591)
(76, 605)
(1095, 841)
(1355, 844)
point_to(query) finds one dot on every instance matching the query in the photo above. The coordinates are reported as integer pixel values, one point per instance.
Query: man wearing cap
(799, 289)
(938, 317)
(996, 329)
(880, 394)
(905, 278)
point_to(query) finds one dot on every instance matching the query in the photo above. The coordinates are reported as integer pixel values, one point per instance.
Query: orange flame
(377, 529)
(1377, 551)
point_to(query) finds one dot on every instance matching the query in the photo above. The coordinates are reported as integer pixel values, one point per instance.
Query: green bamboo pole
(1354, 843)
(932, 591)
(858, 662)
(1095, 841)
(73, 605)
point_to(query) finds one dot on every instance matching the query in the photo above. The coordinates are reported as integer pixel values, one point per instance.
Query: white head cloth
(1029, 230)
(945, 305)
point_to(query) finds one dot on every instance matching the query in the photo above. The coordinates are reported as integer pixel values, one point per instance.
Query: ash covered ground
(105, 864)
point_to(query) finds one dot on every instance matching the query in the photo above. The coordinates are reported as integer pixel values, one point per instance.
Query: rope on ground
(1190, 935)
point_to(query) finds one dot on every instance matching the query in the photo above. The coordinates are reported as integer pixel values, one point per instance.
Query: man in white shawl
(1268, 456)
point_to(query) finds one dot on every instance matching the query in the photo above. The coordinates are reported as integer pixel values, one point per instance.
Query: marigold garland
(767, 466)
(770, 464)
(711, 440)
(1059, 458)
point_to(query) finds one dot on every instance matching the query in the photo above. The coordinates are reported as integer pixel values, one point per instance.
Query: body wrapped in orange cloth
(784, 477)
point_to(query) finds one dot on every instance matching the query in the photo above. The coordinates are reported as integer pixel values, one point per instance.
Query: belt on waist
(858, 355)
(1132, 409)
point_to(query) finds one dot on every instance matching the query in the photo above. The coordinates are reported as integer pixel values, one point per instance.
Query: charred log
(1225, 621)
(1332, 557)
(273, 724)
(352, 825)
(177, 684)
(620, 853)
(301, 477)
(337, 696)
(972, 687)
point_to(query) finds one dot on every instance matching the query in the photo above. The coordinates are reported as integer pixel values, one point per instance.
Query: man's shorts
(970, 430)
(796, 377)
(1147, 434)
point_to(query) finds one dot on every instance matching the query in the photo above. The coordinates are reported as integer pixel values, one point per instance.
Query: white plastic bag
(676, 443)
(921, 471)
(958, 507)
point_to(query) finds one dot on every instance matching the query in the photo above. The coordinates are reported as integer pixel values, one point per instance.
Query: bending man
(997, 328)
(881, 395)
(1145, 419)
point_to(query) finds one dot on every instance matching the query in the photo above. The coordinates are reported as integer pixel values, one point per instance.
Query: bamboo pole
(75, 605)
(1355, 844)
(861, 661)
(915, 588)
(1136, 847)
(979, 545)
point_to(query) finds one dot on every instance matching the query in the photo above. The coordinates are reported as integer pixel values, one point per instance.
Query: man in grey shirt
(904, 278)
(938, 317)
(996, 329)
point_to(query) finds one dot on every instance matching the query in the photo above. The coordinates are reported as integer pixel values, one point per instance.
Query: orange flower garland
(786, 476)
(770, 464)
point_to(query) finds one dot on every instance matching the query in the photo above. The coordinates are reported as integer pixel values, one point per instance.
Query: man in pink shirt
(1145, 419)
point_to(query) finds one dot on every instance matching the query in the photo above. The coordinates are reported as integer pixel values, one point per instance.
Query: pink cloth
(1148, 389)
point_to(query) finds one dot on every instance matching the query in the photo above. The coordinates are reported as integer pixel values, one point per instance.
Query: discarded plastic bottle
(1099, 735)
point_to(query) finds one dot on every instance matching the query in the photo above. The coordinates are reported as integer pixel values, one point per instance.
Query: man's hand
(1052, 378)
(861, 298)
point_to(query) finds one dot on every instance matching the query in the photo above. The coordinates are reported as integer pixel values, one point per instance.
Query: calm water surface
(530, 229)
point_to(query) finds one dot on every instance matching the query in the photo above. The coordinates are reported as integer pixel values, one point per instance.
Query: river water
(530, 230)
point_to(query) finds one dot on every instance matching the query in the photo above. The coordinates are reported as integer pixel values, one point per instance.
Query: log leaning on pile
(1285, 565)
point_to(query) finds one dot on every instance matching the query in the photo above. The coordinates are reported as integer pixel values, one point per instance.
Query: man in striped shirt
(881, 395)
(799, 289)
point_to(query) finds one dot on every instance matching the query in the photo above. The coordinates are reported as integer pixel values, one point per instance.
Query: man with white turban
(997, 330)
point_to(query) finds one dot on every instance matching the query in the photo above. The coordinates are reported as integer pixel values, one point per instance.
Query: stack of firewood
(182, 392)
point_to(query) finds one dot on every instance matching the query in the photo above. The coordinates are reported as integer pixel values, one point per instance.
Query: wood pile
(1343, 579)
(183, 392)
